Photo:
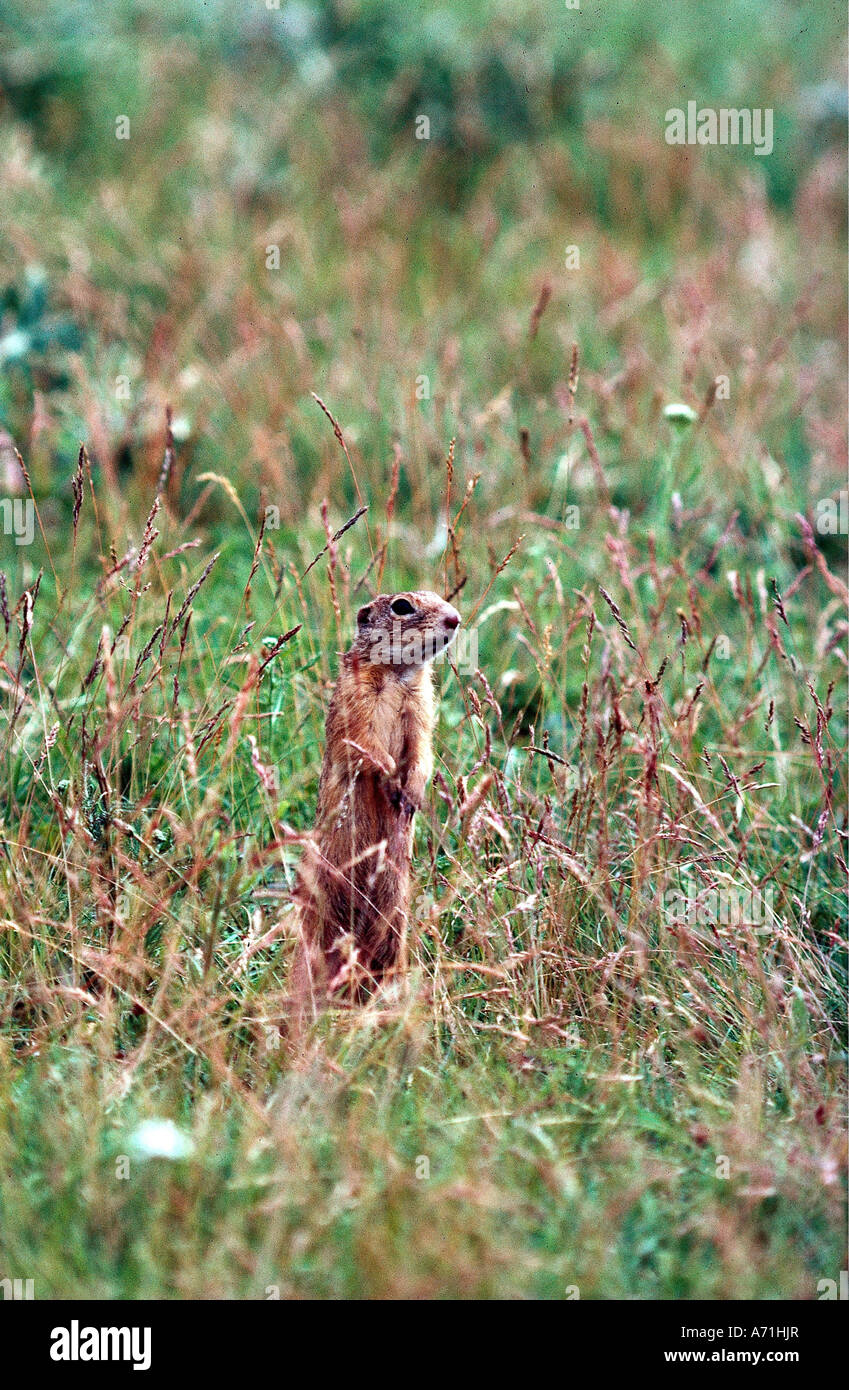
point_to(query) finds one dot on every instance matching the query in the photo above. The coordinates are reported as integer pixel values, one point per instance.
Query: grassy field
(582, 1089)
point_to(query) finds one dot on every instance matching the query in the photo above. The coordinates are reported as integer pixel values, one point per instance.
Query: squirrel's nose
(452, 618)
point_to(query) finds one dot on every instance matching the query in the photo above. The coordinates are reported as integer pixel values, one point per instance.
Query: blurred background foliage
(250, 123)
(486, 74)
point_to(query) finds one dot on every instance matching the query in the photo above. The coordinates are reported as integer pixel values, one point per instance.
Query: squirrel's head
(405, 630)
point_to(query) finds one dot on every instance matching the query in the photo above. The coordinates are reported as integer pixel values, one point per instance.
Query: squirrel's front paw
(401, 801)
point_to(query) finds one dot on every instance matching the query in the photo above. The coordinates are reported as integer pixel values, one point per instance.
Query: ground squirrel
(353, 884)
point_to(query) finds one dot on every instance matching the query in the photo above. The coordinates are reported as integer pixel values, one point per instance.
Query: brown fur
(355, 876)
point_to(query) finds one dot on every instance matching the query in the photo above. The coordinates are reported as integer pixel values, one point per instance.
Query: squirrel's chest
(397, 723)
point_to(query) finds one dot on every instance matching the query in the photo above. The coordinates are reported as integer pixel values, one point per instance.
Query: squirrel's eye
(402, 608)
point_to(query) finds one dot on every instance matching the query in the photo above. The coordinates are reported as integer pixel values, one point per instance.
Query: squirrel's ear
(364, 615)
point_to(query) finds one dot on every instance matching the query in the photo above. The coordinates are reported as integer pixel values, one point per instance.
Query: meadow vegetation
(575, 1091)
